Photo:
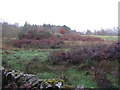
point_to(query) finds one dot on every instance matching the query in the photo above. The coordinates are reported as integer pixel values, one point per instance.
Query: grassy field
(109, 38)
(23, 60)
(17, 59)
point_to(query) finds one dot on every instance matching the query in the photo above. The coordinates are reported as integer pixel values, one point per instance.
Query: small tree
(88, 32)
(62, 31)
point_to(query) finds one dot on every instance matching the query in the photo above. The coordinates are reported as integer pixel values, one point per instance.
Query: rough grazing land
(87, 64)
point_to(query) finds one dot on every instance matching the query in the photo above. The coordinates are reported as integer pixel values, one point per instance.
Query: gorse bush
(74, 57)
(34, 35)
(86, 54)
(113, 52)
(44, 43)
(40, 39)
(37, 35)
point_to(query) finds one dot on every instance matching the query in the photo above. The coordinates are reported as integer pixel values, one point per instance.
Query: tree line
(105, 32)
(15, 31)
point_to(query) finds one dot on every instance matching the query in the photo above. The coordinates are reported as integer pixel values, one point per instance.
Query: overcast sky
(77, 14)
